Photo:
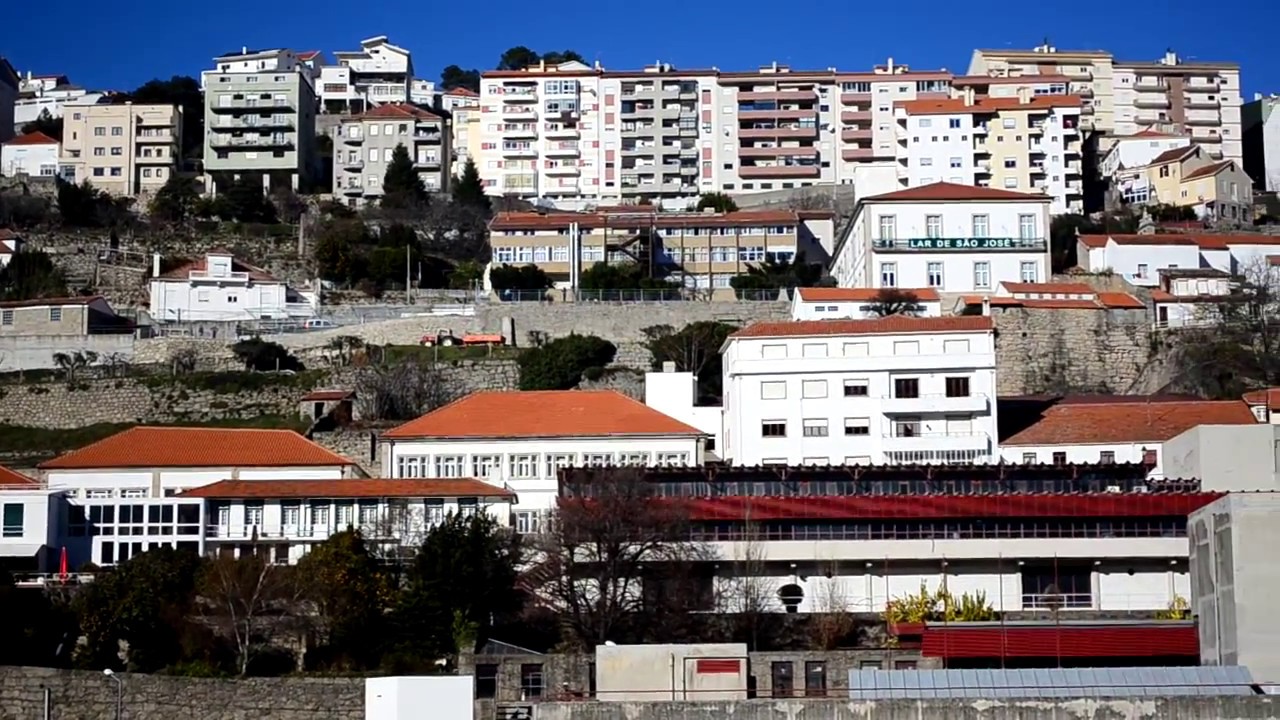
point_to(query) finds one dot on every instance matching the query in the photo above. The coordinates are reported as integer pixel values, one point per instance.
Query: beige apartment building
(699, 250)
(363, 147)
(1089, 74)
(123, 149)
(1198, 99)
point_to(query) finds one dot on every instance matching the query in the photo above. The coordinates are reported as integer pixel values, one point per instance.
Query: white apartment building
(1137, 150)
(1199, 99)
(364, 145)
(129, 485)
(48, 94)
(1190, 297)
(34, 154)
(218, 287)
(377, 73)
(28, 523)
(1140, 259)
(260, 118)
(860, 392)
(948, 237)
(1261, 121)
(1114, 429)
(1025, 143)
(286, 518)
(818, 303)
(520, 440)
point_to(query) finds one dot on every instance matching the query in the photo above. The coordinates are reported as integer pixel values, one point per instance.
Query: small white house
(34, 154)
(28, 523)
(521, 440)
(1188, 298)
(855, 303)
(219, 287)
(10, 243)
(861, 392)
(1137, 258)
(951, 238)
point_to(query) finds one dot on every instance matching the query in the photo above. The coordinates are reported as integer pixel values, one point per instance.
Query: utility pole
(408, 274)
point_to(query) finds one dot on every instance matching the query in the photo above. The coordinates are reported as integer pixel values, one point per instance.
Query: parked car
(318, 324)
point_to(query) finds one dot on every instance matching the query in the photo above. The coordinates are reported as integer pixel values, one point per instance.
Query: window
(55, 314)
(483, 466)
(935, 274)
(906, 428)
(320, 515)
(888, 274)
(597, 459)
(888, 227)
(855, 388)
(449, 466)
(633, 459)
(815, 428)
(857, 427)
(1028, 272)
(773, 390)
(1142, 270)
(813, 350)
(1028, 458)
(1059, 458)
(906, 388)
(956, 162)
(1009, 123)
(933, 226)
(530, 681)
(6, 317)
(981, 226)
(906, 347)
(524, 466)
(773, 428)
(1010, 182)
(926, 162)
(955, 347)
(982, 274)
(99, 132)
(527, 522)
(856, 349)
(672, 459)
(11, 521)
(953, 123)
(957, 387)
(487, 678)
(1107, 457)
(344, 515)
(253, 514)
(291, 514)
(782, 679)
(814, 388)
(815, 676)
(926, 122)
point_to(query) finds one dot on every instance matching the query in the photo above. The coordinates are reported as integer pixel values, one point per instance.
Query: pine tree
(468, 190)
(175, 201)
(402, 187)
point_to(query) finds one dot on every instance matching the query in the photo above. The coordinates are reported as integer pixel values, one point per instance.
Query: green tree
(84, 205)
(35, 627)
(402, 187)
(694, 348)
(465, 275)
(244, 201)
(720, 202)
(45, 123)
(350, 593)
(144, 602)
(555, 58)
(518, 58)
(522, 277)
(265, 356)
(337, 249)
(462, 580)
(454, 77)
(559, 364)
(621, 276)
(468, 190)
(29, 275)
(894, 301)
(775, 274)
(175, 201)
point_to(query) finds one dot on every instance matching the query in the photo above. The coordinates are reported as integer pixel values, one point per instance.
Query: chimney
(889, 66)
(542, 65)
(986, 306)
(155, 265)
(969, 97)
(669, 366)
(244, 49)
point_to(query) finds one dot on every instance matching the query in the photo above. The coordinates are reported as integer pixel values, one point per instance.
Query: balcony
(1037, 168)
(773, 152)
(427, 163)
(525, 130)
(809, 114)
(281, 122)
(849, 135)
(1202, 120)
(1151, 101)
(254, 105)
(961, 244)
(936, 403)
(555, 130)
(513, 94)
(1208, 87)
(352, 190)
(855, 98)
(688, 131)
(518, 112)
(220, 277)
(166, 138)
(982, 167)
(855, 154)
(519, 151)
(799, 131)
(353, 163)
(1150, 83)
(779, 171)
(240, 143)
(1083, 90)
(562, 150)
(352, 139)
(565, 168)
(855, 116)
(1197, 101)
(155, 159)
(637, 111)
(778, 96)
(426, 136)
(936, 442)
(154, 120)
(689, 152)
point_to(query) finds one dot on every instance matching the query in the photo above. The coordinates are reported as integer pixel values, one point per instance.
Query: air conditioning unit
(1113, 488)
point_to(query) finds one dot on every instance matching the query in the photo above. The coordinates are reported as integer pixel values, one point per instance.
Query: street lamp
(119, 692)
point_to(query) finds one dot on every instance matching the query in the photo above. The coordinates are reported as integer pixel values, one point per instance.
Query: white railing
(214, 275)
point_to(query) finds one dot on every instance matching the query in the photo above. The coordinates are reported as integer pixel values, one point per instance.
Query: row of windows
(952, 346)
(980, 226)
(316, 513)
(879, 487)
(955, 387)
(935, 272)
(940, 530)
(860, 426)
(527, 466)
(388, 129)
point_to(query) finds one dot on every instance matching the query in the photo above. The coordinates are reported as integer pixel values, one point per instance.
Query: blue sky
(122, 44)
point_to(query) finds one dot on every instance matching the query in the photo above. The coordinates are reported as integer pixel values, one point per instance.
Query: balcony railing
(935, 402)
(250, 142)
(961, 244)
(236, 277)
(241, 105)
(1061, 601)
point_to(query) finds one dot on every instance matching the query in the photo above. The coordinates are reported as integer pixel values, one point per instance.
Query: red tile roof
(351, 488)
(815, 294)
(1093, 241)
(1127, 422)
(45, 302)
(399, 111)
(958, 106)
(1169, 156)
(1208, 170)
(1034, 303)
(953, 191)
(1269, 397)
(895, 324)
(32, 138)
(327, 395)
(643, 217)
(462, 92)
(155, 446)
(308, 54)
(540, 414)
(256, 274)
(10, 477)
(1120, 301)
(1137, 239)
(1063, 288)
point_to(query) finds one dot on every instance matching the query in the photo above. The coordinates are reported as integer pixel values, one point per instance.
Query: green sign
(968, 243)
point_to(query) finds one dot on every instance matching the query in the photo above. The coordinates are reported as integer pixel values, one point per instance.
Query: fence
(654, 295)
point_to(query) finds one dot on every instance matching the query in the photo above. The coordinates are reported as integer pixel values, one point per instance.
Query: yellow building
(123, 149)
(1088, 74)
(1190, 177)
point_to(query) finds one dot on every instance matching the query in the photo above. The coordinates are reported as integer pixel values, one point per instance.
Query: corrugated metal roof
(1049, 683)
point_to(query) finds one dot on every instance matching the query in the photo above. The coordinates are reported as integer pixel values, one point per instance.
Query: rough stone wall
(85, 695)
(1055, 351)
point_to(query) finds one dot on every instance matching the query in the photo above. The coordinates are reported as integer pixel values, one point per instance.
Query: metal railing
(960, 243)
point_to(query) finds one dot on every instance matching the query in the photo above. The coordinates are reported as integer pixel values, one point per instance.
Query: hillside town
(565, 392)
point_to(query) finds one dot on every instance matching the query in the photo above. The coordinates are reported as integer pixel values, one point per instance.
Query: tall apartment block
(122, 149)
(376, 74)
(260, 115)
(1088, 73)
(1261, 119)
(363, 147)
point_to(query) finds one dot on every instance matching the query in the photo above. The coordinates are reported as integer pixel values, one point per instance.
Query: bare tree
(832, 618)
(399, 392)
(750, 594)
(72, 364)
(616, 560)
(893, 301)
(184, 360)
(343, 349)
(251, 601)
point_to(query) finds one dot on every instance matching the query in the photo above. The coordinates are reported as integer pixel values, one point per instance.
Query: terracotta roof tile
(1092, 241)
(953, 191)
(256, 274)
(549, 413)
(462, 92)
(398, 111)
(1120, 301)
(350, 488)
(1169, 156)
(154, 446)
(875, 326)
(1063, 288)
(815, 294)
(42, 302)
(11, 477)
(32, 138)
(1207, 170)
(1269, 397)
(1127, 422)
(640, 217)
(1163, 296)
(958, 106)
(327, 395)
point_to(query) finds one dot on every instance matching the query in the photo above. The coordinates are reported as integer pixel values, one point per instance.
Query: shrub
(560, 363)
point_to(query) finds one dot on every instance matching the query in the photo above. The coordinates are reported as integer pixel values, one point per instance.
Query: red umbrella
(62, 564)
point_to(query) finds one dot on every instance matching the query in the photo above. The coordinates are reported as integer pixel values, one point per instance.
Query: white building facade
(856, 303)
(378, 73)
(220, 287)
(860, 392)
(34, 154)
(1137, 150)
(947, 237)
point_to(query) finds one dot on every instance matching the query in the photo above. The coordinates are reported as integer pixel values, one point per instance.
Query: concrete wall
(84, 695)
(35, 352)
(632, 673)
(1226, 457)
(1234, 708)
